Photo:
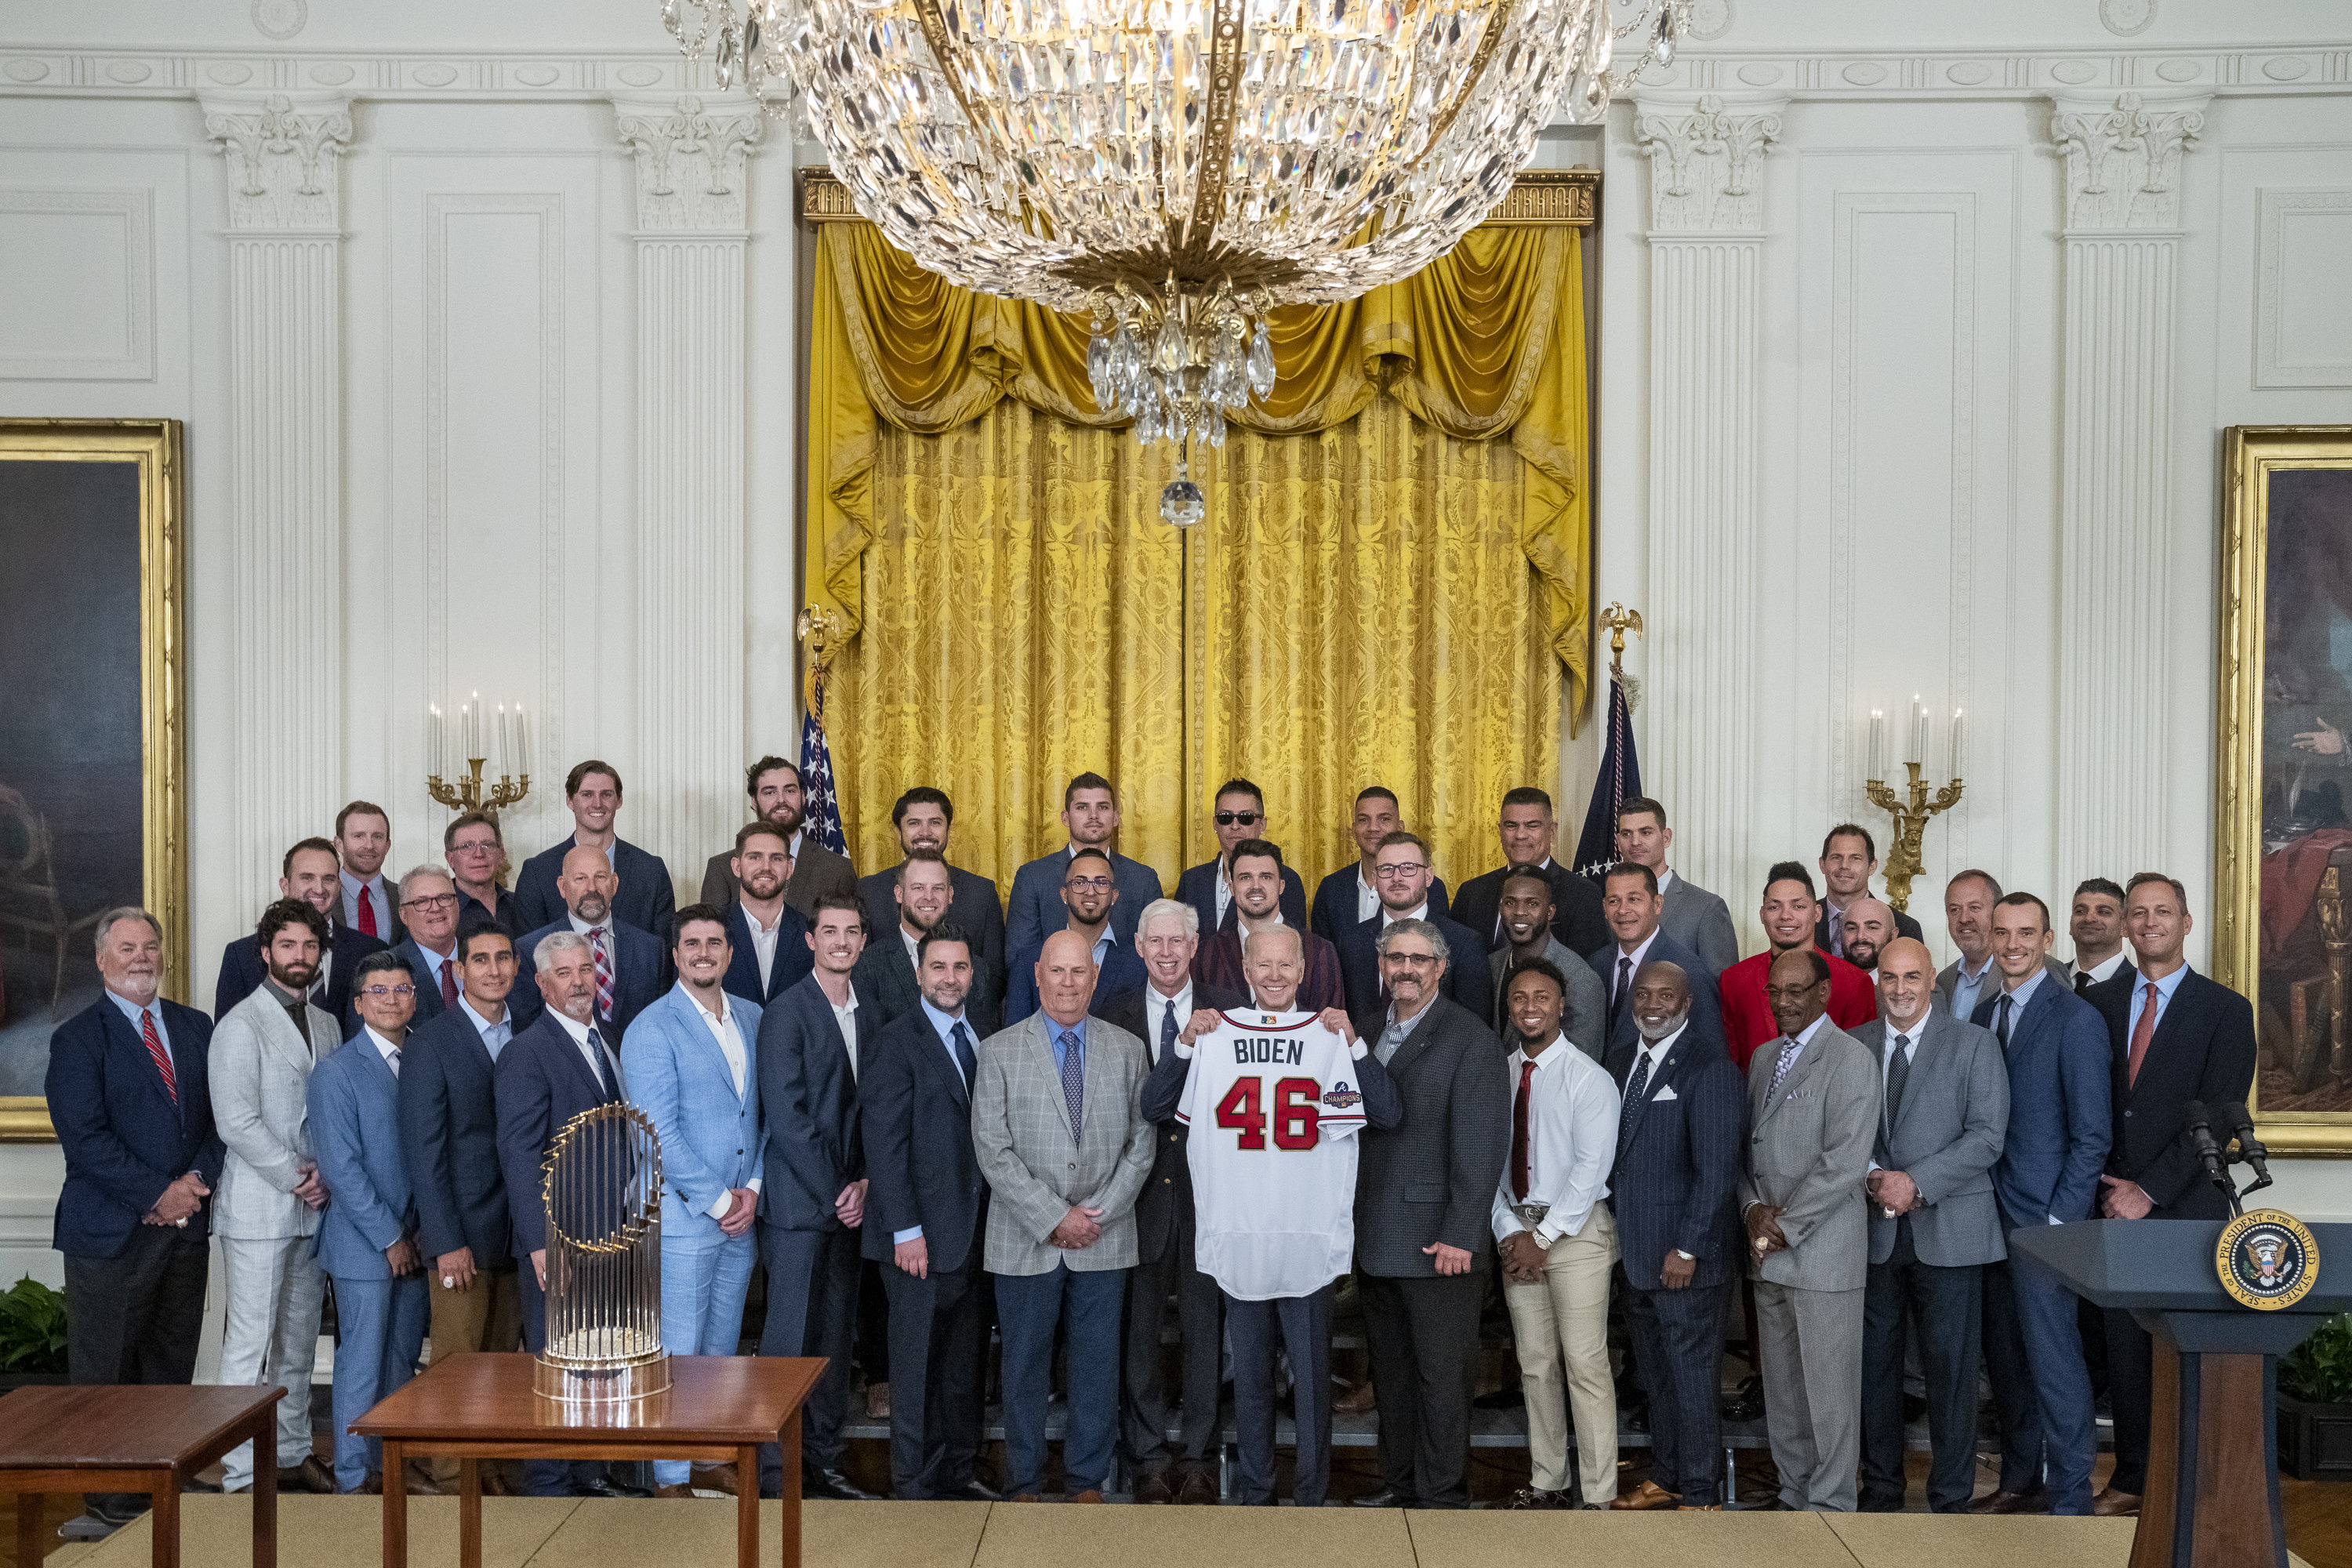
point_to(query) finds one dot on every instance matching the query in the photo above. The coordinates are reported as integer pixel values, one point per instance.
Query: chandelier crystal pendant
(1177, 168)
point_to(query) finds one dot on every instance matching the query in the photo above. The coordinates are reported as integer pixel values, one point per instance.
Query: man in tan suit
(1813, 1116)
(1057, 1125)
(774, 787)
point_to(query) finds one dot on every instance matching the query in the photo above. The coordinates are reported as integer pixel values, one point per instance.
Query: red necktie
(448, 983)
(154, 1043)
(2142, 1033)
(367, 912)
(604, 974)
(1520, 1133)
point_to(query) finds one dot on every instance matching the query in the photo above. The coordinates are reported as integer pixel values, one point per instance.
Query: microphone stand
(2209, 1153)
(2251, 1152)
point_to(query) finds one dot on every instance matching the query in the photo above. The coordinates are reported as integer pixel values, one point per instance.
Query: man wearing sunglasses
(1209, 887)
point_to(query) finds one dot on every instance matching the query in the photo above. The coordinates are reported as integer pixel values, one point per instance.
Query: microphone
(2209, 1153)
(2249, 1148)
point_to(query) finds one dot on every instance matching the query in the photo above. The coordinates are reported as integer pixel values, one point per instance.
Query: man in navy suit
(133, 1114)
(923, 895)
(925, 1205)
(2050, 1160)
(311, 873)
(814, 1202)
(1259, 879)
(428, 909)
(924, 816)
(1351, 895)
(1090, 903)
(449, 1137)
(1528, 832)
(1240, 816)
(632, 965)
(2173, 1035)
(767, 936)
(549, 1073)
(1090, 816)
(1681, 1132)
(643, 896)
(1634, 909)
(363, 900)
(1402, 865)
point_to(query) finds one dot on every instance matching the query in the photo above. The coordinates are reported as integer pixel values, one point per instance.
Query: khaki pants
(1561, 1327)
(486, 1315)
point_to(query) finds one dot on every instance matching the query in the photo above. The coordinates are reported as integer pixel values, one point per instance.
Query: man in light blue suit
(1090, 814)
(367, 1237)
(689, 1063)
(2059, 1124)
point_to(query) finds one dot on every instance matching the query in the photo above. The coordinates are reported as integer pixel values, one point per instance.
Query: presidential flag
(1620, 778)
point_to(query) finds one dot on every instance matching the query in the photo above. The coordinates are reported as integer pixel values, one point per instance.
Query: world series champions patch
(2266, 1259)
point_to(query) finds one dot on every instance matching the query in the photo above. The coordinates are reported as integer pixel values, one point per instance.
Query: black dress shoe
(606, 1486)
(1747, 1403)
(117, 1508)
(309, 1476)
(831, 1486)
(973, 1492)
(1386, 1497)
(1153, 1487)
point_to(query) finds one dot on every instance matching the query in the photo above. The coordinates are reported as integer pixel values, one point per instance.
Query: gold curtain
(1389, 586)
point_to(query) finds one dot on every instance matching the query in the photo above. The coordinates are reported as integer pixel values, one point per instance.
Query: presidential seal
(2266, 1259)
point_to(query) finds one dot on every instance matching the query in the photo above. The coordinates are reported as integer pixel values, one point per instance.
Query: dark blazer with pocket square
(1678, 1160)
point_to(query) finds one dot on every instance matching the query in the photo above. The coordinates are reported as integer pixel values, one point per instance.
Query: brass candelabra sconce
(469, 791)
(1915, 807)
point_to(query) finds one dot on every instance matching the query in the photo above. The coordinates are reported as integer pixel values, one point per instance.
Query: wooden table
(718, 1409)
(149, 1439)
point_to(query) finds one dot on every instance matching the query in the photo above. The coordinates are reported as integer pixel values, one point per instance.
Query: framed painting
(2283, 914)
(92, 749)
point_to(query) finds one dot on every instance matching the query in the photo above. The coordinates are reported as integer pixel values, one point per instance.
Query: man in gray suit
(1526, 930)
(267, 1210)
(1693, 917)
(1059, 1134)
(1812, 1100)
(1935, 1223)
(1425, 1197)
(1971, 979)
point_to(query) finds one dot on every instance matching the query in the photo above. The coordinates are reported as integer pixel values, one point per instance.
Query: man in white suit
(270, 1192)
(689, 1065)
(1057, 1125)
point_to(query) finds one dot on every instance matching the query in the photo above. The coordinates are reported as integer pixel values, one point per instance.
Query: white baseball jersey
(1273, 1106)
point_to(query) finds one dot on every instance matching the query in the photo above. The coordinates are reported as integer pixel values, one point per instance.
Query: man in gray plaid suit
(1057, 1126)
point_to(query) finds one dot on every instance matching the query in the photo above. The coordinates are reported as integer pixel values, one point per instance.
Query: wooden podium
(2212, 1496)
(717, 1409)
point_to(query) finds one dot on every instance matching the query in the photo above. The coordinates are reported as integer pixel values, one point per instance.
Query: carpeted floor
(346, 1532)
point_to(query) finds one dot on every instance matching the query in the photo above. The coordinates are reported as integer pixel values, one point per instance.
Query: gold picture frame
(2283, 835)
(154, 447)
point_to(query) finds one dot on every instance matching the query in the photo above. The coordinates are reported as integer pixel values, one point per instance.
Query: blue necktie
(968, 1064)
(2000, 1020)
(603, 1063)
(1074, 1068)
(1636, 1086)
(1167, 1030)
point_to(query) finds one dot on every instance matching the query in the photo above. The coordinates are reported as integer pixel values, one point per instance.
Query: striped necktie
(153, 1041)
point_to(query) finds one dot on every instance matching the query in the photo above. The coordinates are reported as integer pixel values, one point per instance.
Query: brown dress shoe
(495, 1484)
(1198, 1488)
(309, 1476)
(1153, 1487)
(713, 1478)
(2113, 1504)
(419, 1482)
(1356, 1401)
(1025, 1497)
(2037, 1500)
(1648, 1495)
(374, 1485)
(678, 1489)
(1089, 1495)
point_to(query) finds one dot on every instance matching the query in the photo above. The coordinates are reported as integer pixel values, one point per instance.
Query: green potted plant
(2315, 1405)
(32, 1334)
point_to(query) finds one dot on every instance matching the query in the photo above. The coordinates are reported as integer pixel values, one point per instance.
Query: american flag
(821, 809)
(1620, 776)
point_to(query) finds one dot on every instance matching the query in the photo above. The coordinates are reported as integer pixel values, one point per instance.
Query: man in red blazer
(1789, 915)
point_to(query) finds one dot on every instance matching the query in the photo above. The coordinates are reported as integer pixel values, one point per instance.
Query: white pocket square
(1664, 1093)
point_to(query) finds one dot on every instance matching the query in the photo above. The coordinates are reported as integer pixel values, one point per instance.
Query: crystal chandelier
(1177, 167)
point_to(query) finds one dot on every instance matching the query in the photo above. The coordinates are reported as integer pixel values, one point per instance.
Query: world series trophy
(601, 1183)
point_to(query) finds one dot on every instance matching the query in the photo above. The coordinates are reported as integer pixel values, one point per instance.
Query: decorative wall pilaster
(690, 419)
(2122, 246)
(285, 422)
(1707, 238)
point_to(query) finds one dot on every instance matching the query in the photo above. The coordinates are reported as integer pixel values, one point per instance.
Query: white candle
(1919, 733)
(1877, 744)
(1959, 746)
(474, 728)
(435, 743)
(506, 752)
(522, 744)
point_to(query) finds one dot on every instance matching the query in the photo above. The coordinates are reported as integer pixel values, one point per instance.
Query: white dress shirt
(728, 1031)
(844, 1015)
(384, 1048)
(1908, 1042)
(579, 1033)
(1367, 897)
(1666, 880)
(1156, 1008)
(1420, 911)
(1616, 964)
(2103, 970)
(1225, 894)
(764, 940)
(1571, 1140)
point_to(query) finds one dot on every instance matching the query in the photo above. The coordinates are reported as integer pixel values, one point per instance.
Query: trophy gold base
(620, 1383)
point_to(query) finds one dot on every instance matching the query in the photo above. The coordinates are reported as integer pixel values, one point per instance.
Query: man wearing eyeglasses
(1209, 887)
(1089, 896)
(1401, 867)
(476, 853)
(428, 908)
